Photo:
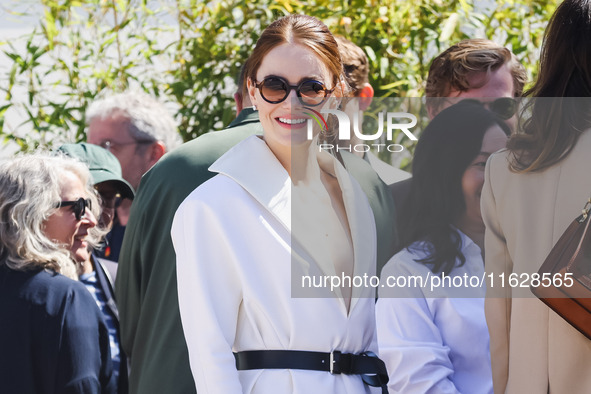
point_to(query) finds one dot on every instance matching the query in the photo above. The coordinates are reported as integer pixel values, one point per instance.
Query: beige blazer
(533, 350)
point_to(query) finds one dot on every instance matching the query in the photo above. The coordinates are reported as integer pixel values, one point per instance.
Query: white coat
(236, 258)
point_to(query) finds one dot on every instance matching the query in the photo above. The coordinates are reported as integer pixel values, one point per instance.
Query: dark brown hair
(553, 128)
(451, 69)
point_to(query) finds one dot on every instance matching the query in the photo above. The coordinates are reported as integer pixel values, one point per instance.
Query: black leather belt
(368, 365)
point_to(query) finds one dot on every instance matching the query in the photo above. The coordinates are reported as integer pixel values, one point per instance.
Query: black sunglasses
(78, 207)
(504, 107)
(276, 89)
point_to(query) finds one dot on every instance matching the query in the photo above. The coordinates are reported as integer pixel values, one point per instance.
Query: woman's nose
(89, 218)
(291, 99)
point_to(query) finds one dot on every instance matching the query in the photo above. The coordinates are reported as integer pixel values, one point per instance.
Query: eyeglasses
(110, 145)
(78, 207)
(274, 90)
(504, 107)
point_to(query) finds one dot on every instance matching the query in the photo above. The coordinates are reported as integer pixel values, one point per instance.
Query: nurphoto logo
(393, 121)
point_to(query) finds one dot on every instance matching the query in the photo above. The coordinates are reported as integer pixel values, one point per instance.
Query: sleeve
(84, 357)
(497, 305)
(128, 286)
(410, 342)
(146, 286)
(209, 292)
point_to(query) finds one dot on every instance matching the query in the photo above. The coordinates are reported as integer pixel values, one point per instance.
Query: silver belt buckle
(335, 357)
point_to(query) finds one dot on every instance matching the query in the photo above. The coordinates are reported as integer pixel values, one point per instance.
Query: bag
(568, 270)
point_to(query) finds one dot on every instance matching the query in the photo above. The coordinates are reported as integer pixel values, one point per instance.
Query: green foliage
(188, 52)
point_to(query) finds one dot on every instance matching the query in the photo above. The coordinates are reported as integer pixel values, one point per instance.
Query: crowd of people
(132, 263)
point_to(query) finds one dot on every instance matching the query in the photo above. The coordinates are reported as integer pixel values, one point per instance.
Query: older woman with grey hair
(53, 338)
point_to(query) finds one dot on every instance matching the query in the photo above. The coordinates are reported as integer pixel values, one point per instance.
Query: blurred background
(57, 56)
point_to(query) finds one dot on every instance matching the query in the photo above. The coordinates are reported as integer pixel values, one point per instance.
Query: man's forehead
(488, 86)
(114, 118)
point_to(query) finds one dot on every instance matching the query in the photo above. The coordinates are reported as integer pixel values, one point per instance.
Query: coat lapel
(254, 167)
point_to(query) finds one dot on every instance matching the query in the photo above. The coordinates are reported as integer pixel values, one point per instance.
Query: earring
(254, 107)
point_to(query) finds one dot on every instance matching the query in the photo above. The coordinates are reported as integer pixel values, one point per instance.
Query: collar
(467, 243)
(89, 277)
(253, 166)
(247, 115)
(268, 182)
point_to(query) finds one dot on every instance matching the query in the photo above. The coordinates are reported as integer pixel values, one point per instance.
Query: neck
(293, 158)
(299, 163)
(474, 231)
(86, 267)
(349, 145)
(354, 114)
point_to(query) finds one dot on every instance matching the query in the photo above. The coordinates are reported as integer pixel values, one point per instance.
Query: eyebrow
(315, 78)
(303, 79)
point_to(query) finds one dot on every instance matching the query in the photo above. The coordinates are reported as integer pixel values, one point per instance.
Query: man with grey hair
(138, 130)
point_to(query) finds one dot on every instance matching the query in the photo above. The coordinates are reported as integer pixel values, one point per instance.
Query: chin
(80, 256)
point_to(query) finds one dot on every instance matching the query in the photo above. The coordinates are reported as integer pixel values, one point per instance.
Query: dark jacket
(53, 338)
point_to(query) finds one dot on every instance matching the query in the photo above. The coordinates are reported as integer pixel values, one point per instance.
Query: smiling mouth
(81, 238)
(291, 121)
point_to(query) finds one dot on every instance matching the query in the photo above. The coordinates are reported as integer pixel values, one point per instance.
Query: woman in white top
(278, 210)
(435, 340)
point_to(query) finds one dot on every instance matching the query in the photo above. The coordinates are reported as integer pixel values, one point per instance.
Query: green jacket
(146, 288)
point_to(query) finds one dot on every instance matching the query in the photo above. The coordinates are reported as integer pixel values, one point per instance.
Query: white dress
(437, 341)
(236, 258)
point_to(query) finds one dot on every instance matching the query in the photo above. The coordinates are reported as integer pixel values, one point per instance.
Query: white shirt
(236, 258)
(435, 342)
